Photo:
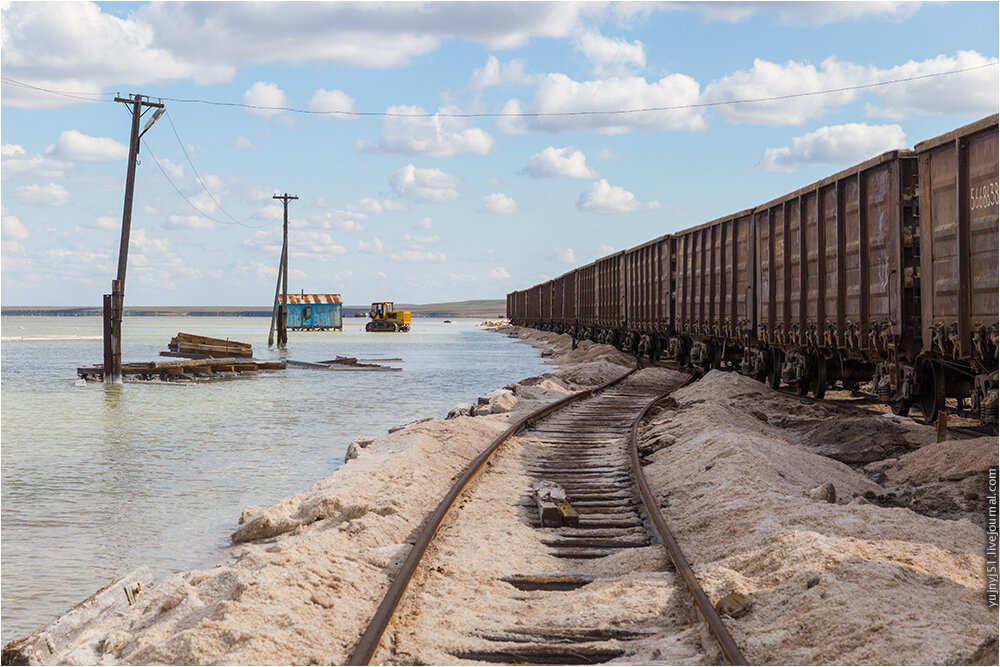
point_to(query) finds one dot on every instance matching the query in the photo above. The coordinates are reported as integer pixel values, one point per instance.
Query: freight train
(886, 273)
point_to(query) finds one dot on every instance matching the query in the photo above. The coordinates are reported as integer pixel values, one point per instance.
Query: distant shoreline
(488, 308)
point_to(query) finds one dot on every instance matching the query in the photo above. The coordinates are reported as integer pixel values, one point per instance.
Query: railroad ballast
(886, 272)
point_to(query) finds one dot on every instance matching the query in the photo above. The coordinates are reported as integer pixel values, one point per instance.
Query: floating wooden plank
(47, 644)
(340, 366)
(188, 368)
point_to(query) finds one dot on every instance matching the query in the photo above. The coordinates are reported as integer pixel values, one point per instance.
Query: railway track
(495, 586)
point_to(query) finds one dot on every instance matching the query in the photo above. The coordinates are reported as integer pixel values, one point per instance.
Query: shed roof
(313, 298)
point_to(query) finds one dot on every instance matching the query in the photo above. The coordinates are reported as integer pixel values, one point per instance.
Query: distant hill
(485, 308)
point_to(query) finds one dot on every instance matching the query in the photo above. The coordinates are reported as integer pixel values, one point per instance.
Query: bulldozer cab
(381, 309)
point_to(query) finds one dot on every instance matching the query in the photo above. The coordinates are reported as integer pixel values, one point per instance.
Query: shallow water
(98, 480)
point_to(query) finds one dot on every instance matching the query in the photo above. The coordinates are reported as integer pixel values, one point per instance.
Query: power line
(195, 207)
(85, 96)
(541, 114)
(204, 185)
(191, 203)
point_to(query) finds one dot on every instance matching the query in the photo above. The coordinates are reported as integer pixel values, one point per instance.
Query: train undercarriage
(905, 383)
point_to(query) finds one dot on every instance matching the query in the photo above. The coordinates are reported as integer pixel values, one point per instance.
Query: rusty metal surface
(959, 230)
(312, 298)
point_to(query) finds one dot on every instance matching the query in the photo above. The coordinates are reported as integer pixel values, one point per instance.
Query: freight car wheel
(774, 372)
(932, 396)
(819, 377)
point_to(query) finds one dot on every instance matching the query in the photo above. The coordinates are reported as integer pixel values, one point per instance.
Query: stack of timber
(202, 347)
(188, 370)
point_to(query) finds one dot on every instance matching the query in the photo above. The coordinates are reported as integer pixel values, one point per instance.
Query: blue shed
(314, 312)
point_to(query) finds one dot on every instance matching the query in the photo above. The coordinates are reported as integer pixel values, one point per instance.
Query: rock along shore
(830, 560)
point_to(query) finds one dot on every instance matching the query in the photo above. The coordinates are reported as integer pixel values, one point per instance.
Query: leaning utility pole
(280, 310)
(114, 302)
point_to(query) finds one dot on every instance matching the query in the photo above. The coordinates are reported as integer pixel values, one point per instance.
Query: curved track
(587, 444)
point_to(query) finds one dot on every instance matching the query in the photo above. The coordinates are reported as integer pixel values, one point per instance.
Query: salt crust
(849, 583)
(846, 583)
(307, 573)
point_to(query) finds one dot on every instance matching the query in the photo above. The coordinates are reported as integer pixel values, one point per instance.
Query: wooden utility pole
(280, 310)
(114, 302)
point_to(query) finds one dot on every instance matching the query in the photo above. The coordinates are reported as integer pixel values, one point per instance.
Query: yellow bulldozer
(388, 319)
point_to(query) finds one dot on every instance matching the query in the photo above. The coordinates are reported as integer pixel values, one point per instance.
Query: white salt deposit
(849, 582)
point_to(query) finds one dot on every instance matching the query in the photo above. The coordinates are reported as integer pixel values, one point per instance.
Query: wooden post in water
(113, 326)
(282, 307)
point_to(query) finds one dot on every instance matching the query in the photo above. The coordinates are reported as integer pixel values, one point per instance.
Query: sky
(437, 149)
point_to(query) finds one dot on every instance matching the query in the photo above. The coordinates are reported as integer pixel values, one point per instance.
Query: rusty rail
(711, 616)
(369, 642)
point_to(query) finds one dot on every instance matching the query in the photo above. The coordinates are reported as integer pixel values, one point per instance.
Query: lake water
(98, 480)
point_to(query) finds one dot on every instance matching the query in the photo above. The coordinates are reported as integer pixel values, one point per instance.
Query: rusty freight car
(884, 272)
(648, 296)
(836, 275)
(713, 289)
(958, 274)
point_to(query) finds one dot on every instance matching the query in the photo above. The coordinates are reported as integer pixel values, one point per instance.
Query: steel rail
(715, 624)
(369, 642)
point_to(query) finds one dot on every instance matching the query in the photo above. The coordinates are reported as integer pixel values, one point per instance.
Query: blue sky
(434, 207)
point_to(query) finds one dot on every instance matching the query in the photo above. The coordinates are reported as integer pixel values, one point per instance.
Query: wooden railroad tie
(554, 508)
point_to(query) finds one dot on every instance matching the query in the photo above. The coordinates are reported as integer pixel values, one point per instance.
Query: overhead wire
(188, 200)
(540, 114)
(204, 185)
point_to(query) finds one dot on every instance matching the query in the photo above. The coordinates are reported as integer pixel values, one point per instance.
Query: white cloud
(420, 242)
(610, 56)
(375, 247)
(562, 255)
(312, 245)
(266, 95)
(418, 256)
(303, 243)
(428, 136)
(342, 221)
(16, 160)
(605, 250)
(73, 145)
(558, 93)
(968, 92)
(424, 224)
(52, 194)
(78, 46)
(498, 273)
(244, 144)
(568, 162)
(495, 74)
(602, 197)
(13, 229)
(175, 170)
(767, 79)
(498, 202)
(332, 100)
(798, 13)
(108, 222)
(839, 144)
(430, 184)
